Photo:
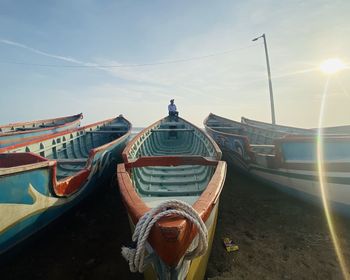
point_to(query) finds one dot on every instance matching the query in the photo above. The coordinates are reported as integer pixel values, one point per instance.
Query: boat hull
(173, 161)
(30, 195)
(290, 163)
(305, 185)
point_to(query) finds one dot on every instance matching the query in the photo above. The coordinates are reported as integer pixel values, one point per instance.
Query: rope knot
(135, 256)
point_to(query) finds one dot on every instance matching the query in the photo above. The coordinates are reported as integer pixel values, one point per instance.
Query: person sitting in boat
(173, 113)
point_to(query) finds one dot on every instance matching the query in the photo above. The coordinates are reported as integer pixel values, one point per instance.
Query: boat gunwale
(76, 119)
(311, 130)
(244, 119)
(147, 161)
(44, 162)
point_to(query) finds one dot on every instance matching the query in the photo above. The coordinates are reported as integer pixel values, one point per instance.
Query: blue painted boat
(286, 157)
(15, 133)
(43, 178)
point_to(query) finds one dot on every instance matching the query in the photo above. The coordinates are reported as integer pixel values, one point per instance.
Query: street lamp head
(257, 38)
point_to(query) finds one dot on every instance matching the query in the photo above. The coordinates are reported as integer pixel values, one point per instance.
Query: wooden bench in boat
(121, 125)
(224, 127)
(71, 160)
(107, 131)
(170, 161)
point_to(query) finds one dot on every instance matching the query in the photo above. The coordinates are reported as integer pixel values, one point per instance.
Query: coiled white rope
(135, 256)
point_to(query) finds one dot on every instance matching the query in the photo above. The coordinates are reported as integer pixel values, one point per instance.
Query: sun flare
(331, 66)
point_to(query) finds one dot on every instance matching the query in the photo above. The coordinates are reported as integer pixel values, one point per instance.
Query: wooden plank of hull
(21, 132)
(31, 196)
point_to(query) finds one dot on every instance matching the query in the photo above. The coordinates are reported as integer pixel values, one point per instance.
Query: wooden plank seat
(116, 125)
(172, 129)
(224, 127)
(71, 160)
(107, 131)
(146, 161)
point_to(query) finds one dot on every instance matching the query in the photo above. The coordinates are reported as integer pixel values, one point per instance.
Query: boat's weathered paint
(288, 161)
(173, 160)
(15, 133)
(43, 178)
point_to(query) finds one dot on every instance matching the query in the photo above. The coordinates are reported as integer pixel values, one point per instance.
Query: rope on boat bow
(135, 256)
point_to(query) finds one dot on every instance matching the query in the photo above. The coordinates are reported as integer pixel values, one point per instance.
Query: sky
(200, 53)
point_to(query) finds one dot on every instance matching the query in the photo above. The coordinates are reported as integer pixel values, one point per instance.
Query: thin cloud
(19, 45)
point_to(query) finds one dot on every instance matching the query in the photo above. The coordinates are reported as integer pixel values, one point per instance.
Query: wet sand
(279, 237)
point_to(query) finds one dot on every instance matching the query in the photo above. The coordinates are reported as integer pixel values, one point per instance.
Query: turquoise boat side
(35, 190)
(16, 133)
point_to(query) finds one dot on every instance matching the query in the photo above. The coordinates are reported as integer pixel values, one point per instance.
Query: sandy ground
(279, 237)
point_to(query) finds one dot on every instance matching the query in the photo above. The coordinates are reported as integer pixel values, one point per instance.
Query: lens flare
(331, 66)
(323, 188)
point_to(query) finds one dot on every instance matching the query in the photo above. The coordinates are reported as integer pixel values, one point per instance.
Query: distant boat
(170, 161)
(338, 130)
(20, 132)
(43, 178)
(286, 157)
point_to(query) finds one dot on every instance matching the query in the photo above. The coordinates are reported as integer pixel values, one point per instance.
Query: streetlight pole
(269, 76)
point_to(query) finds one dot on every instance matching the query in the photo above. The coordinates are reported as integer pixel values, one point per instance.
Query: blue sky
(300, 34)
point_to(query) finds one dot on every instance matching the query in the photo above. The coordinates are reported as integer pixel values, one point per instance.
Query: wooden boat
(339, 130)
(287, 160)
(43, 178)
(15, 133)
(170, 161)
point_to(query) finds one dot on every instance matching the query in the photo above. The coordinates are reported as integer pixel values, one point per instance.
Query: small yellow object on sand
(229, 245)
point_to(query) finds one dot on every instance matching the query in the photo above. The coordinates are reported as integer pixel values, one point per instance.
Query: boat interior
(256, 136)
(71, 150)
(185, 182)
